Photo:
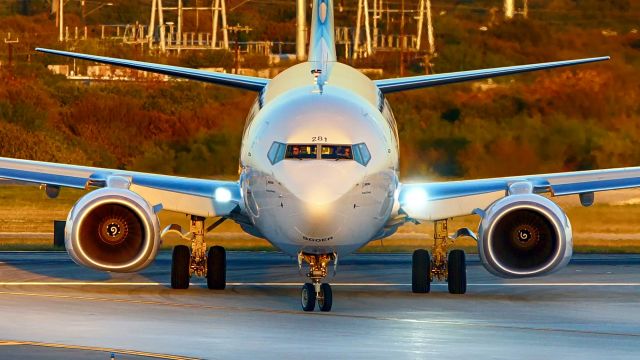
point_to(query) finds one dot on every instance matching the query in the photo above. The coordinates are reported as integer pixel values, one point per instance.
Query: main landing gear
(197, 261)
(316, 291)
(451, 268)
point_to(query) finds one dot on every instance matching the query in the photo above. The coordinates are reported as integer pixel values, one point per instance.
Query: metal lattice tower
(380, 40)
(510, 9)
(178, 39)
(301, 30)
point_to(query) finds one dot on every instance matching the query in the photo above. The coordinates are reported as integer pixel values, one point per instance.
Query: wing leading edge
(441, 200)
(422, 81)
(186, 195)
(232, 80)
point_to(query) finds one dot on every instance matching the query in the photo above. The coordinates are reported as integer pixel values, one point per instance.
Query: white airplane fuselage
(319, 205)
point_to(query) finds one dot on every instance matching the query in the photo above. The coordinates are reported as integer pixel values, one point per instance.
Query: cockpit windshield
(295, 151)
(358, 152)
(336, 152)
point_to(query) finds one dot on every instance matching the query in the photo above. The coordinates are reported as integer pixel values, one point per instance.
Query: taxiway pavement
(589, 310)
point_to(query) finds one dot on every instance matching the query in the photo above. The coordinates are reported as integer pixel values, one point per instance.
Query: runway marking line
(152, 283)
(93, 348)
(332, 314)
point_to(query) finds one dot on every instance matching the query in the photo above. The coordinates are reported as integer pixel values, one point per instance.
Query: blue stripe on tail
(322, 45)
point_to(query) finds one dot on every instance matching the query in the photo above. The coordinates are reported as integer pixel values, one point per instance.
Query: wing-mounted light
(414, 200)
(222, 195)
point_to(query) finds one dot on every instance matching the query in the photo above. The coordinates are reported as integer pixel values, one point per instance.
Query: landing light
(416, 198)
(222, 195)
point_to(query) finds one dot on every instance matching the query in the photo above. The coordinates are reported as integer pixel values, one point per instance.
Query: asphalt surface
(588, 310)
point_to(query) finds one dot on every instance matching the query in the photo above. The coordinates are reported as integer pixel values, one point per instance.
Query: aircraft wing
(422, 81)
(232, 80)
(441, 200)
(200, 197)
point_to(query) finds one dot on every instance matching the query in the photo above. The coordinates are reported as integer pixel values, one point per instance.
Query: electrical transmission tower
(381, 41)
(363, 7)
(176, 38)
(301, 29)
(510, 9)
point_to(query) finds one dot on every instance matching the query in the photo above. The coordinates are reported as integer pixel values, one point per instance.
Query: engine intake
(112, 229)
(524, 235)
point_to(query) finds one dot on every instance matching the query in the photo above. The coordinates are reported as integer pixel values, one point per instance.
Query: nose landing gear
(317, 291)
(442, 267)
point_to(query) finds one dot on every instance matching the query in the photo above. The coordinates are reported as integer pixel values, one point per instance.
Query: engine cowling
(112, 229)
(524, 235)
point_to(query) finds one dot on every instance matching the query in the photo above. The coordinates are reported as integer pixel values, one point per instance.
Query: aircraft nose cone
(317, 190)
(319, 183)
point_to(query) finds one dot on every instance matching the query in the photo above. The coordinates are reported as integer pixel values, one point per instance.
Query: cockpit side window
(301, 151)
(276, 152)
(336, 152)
(361, 154)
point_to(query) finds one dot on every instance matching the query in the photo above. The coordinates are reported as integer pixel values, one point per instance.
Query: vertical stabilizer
(322, 46)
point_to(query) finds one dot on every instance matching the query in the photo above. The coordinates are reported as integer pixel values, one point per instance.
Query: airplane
(319, 179)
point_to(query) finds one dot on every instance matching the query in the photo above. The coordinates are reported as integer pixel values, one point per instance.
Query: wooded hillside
(581, 118)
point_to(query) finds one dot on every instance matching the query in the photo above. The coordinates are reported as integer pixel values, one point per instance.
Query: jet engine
(524, 235)
(112, 229)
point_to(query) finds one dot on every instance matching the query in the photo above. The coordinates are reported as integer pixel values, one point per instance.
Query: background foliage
(559, 120)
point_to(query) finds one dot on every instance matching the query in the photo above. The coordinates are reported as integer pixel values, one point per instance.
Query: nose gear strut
(317, 290)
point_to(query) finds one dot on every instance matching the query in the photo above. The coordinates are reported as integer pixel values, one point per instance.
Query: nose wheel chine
(316, 291)
(441, 266)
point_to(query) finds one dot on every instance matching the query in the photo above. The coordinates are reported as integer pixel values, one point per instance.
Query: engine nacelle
(524, 235)
(112, 229)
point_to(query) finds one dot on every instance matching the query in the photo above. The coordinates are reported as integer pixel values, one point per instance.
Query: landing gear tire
(308, 297)
(325, 299)
(180, 261)
(421, 272)
(217, 268)
(457, 270)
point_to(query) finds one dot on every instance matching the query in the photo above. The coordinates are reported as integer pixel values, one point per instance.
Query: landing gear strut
(451, 268)
(316, 291)
(187, 262)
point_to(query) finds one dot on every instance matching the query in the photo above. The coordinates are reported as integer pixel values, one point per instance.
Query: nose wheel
(308, 297)
(316, 291)
(312, 294)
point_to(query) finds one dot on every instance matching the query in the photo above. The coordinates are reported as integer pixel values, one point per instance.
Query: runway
(588, 310)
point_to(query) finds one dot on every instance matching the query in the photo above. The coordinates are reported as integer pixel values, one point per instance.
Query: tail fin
(322, 46)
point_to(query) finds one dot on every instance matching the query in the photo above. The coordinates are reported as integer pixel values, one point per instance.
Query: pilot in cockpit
(347, 153)
(343, 152)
